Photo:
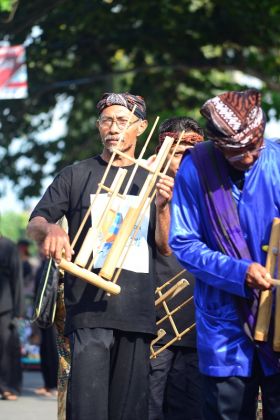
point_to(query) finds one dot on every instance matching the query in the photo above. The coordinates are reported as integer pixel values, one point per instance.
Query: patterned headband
(189, 138)
(124, 99)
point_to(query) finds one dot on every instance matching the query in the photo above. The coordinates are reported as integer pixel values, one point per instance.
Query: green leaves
(175, 54)
(6, 5)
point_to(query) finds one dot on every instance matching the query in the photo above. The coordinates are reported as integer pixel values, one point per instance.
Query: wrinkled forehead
(116, 110)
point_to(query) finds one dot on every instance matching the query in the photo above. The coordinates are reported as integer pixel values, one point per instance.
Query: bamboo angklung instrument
(85, 259)
(162, 298)
(134, 212)
(266, 296)
(276, 335)
(168, 162)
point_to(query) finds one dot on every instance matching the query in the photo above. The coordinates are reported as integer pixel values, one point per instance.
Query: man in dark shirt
(175, 382)
(109, 335)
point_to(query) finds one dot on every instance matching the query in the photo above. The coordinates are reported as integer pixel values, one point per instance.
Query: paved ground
(32, 407)
(29, 406)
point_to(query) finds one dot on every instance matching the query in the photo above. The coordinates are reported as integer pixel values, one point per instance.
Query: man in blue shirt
(226, 195)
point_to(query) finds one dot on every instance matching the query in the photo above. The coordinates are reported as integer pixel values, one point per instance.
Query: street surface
(29, 406)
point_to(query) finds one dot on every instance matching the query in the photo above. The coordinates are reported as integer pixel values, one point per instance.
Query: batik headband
(124, 99)
(189, 138)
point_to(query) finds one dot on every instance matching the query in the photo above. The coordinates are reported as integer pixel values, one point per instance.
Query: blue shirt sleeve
(192, 241)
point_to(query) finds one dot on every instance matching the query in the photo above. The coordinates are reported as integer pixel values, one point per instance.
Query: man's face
(243, 159)
(176, 159)
(111, 124)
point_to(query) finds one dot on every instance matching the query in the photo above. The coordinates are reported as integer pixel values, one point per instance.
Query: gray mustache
(114, 138)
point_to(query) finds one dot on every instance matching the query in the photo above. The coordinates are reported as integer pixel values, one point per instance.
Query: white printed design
(137, 256)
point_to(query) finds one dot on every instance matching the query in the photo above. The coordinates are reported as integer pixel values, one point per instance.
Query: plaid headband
(235, 119)
(124, 99)
(189, 138)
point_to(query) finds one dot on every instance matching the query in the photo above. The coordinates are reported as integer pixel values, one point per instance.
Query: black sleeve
(56, 201)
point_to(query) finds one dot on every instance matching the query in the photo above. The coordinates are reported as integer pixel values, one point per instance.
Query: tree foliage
(13, 225)
(6, 5)
(174, 53)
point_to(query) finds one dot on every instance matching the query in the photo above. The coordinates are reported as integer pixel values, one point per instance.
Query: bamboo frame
(162, 298)
(84, 261)
(276, 336)
(266, 297)
(148, 202)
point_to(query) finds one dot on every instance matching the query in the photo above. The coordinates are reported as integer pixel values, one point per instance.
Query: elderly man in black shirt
(109, 336)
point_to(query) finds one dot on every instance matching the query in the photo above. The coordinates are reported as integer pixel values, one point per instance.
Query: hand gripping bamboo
(80, 267)
(266, 296)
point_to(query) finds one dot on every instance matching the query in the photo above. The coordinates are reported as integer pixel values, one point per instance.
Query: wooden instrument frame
(84, 261)
(162, 298)
(266, 297)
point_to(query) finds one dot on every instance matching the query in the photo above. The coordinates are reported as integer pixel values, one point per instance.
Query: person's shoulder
(7, 241)
(272, 146)
(7, 244)
(272, 142)
(82, 165)
(81, 169)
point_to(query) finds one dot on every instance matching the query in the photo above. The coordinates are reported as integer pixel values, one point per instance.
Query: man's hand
(164, 188)
(51, 238)
(56, 244)
(257, 277)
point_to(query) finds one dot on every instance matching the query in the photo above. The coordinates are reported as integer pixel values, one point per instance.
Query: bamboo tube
(91, 238)
(133, 214)
(175, 310)
(154, 354)
(172, 292)
(265, 305)
(139, 221)
(160, 334)
(90, 277)
(276, 336)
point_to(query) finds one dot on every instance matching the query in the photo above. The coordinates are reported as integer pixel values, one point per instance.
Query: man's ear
(142, 127)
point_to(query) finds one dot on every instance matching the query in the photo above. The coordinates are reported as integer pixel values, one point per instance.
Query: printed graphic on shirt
(107, 224)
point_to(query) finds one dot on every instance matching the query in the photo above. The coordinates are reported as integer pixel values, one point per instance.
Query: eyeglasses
(254, 152)
(107, 122)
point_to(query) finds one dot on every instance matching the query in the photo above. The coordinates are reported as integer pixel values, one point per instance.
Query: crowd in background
(23, 344)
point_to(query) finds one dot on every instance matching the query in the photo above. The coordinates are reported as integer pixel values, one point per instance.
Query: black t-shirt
(166, 269)
(86, 305)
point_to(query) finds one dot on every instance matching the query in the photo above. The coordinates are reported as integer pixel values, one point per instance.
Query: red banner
(13, 72)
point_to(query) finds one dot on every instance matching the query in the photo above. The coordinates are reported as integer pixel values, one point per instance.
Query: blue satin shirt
(223, 347)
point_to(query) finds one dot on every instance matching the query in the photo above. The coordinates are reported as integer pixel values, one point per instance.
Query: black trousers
(10, 356)
(175, 385)
(109, 375)
(235, 397)
(49, 357)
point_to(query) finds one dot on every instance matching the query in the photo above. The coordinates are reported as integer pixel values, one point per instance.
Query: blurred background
(174, 54)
